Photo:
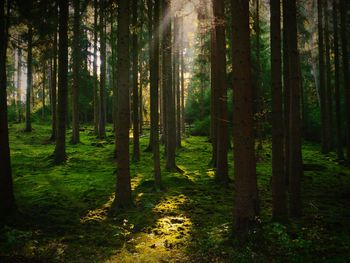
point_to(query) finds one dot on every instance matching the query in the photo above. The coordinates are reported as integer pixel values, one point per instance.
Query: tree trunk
(246, 194)
(135, 76)
(123, 191)
(96, 101)
(169, 93)
(322, 78)
(154, 74)
(182, 62)
(296, 169)
(19, 84)
(54, 89)
(29, 79)
(102, 118)
(328, 90)
(76, 72)
(60, 150)
(7, 200)
(214, 103)
(177, 80)
(279, 205)
(345, 58)
(220, 71)
(338, 120)
(43, 91)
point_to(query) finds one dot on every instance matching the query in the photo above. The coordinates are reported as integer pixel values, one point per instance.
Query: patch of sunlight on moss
(211, 173)
(99, 214)
(135, 182)
(170, 203)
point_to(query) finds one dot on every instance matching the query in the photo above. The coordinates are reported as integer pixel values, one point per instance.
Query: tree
(135, 73)
(7, 200)
(346, 81)
(295, 157)
(246, 192)
(221, 87)
(60, 150)
(279, 206)
(339, 141)
(76, 72)
(169, 93)
(154, 75)
(123, 191)
(96, 102)
(102, 102)
(29, 78)
(54, 86)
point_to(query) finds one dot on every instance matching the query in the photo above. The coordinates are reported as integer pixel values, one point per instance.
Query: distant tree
(102, 102)
(60, 150)
(135, 74)
(54, 86)
(95, 92)
(246, 193)
(7, 200)
(29, 78)
(76, 72)
(346, 81)
(123, 190)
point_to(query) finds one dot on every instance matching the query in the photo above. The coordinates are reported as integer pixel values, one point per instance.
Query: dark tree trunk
(220, 71)
(182, 62)
(154, 74)
(43, 91)
(338, 120)
(296, 169)
(76, 72)
(214, 103)
(7, 200)
(279, 205)
(177, 80)
(135, 95)
(102, 114)
(60, 150)
(19, 84)
(96, 102)
(246, 193)
(322, 77)
(169, 93)
(345, 58)
(54, 89)
(29, 79)
(123, 191)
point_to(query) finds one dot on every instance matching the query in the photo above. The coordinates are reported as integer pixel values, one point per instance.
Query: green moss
(64, 211)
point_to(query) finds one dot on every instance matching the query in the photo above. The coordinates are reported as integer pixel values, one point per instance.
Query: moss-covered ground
(64, 216)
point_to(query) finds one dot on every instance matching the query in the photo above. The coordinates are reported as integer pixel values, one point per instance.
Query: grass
(64, 210)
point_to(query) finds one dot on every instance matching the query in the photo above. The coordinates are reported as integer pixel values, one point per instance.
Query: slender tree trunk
(54, 89)
(345, 58)
(169, 93)
(29, 78)
(279, 205)
(135, 74)
(182, 62)
(102, 118)
(328, 90)
(177, 80)
(154, 74)
(7, 200)
(43, 91)
(96, 100)
(60, 150)
(214, 101)
(322, 78)
(246, 193)
(222, 120)
(114, 68)
(296, 166)
(19, 84)
(76, 73)
(123, 191)
(338, 120)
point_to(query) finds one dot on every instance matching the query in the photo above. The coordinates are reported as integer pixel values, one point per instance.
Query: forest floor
(64, 210)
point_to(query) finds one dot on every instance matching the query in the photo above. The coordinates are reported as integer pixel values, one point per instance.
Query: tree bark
(60, 150)
(102, 110)
(346, 81)
(76, 72)
(177, 80)
(54, 88)
(339, 141)
(279, 205)
(19, 84)
(135, 75)
(96, 100)
(123, 191)
(29, 78)
(246, 193)
(220, 71)
(7, 200)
